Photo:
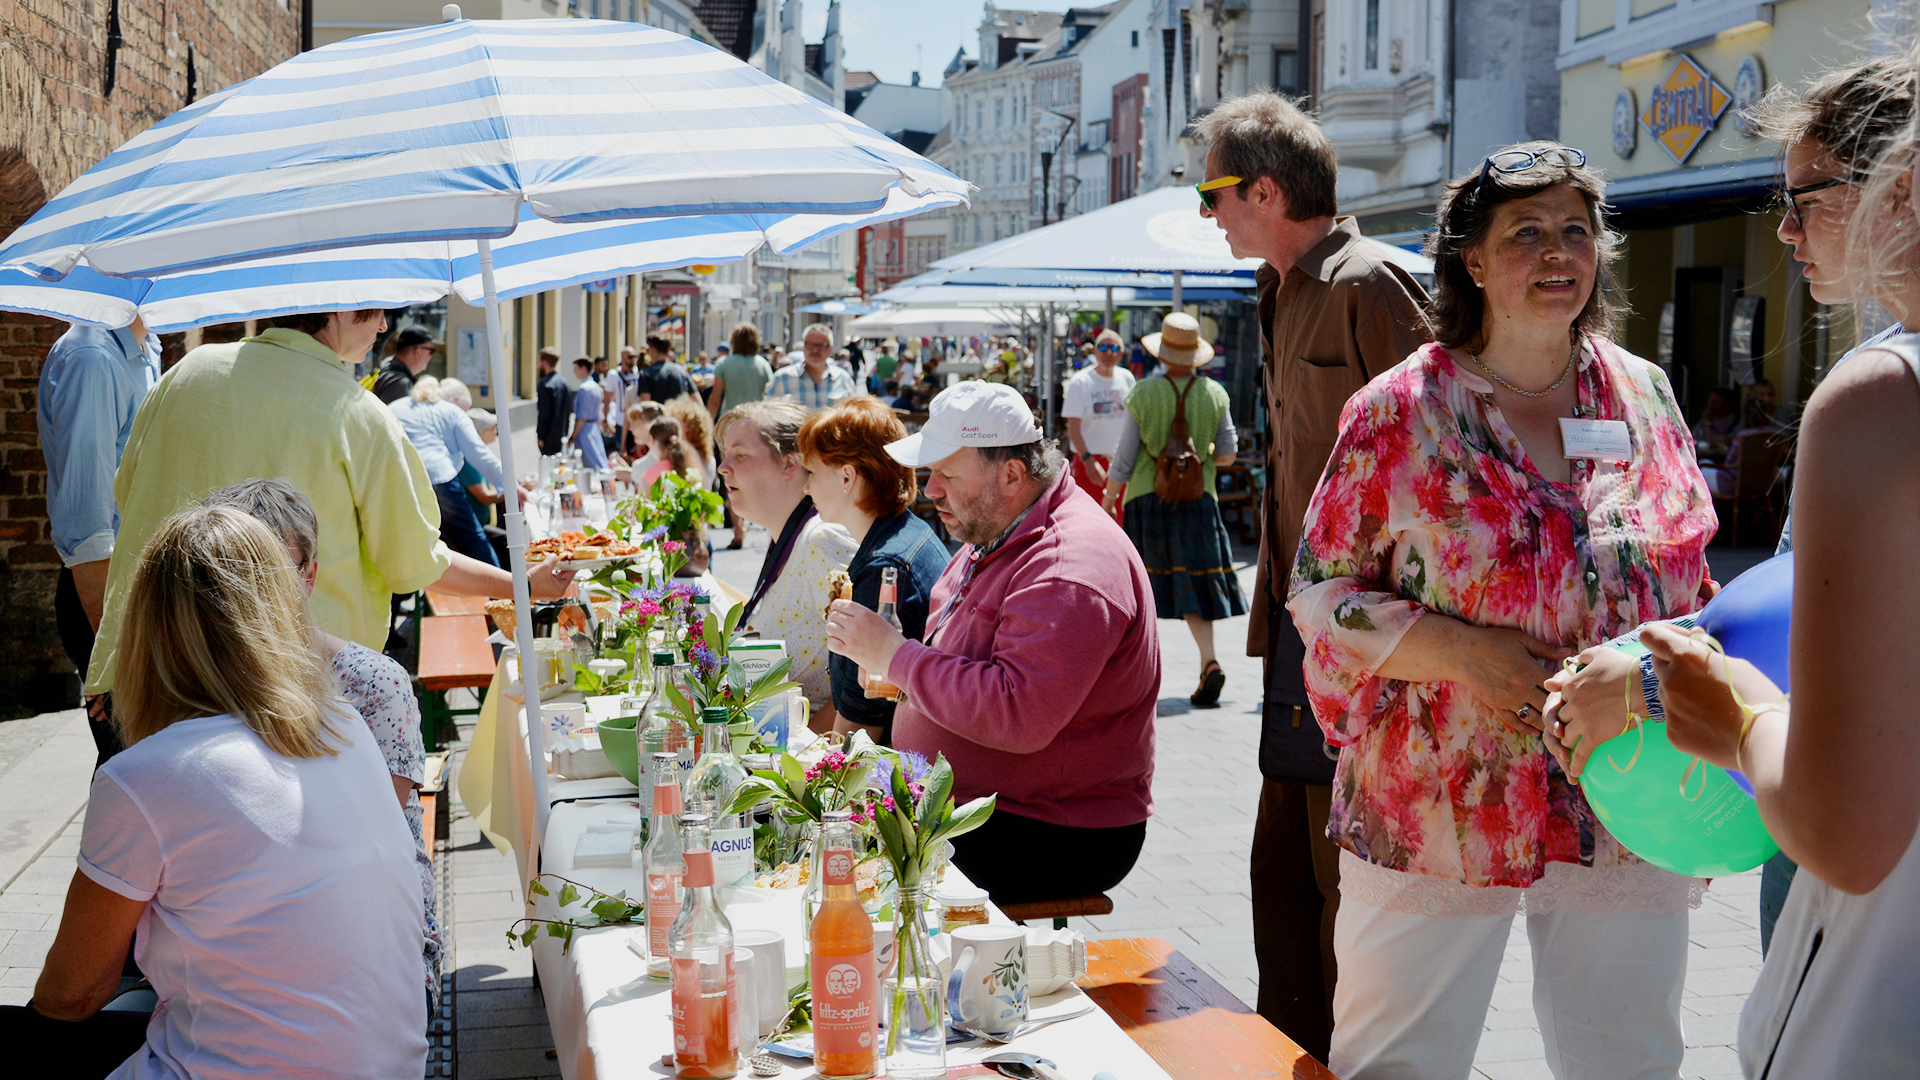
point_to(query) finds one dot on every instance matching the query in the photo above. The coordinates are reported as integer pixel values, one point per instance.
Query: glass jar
(961, 905)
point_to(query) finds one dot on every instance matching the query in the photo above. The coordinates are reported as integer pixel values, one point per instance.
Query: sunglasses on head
(1519, 161)
(1208, 189)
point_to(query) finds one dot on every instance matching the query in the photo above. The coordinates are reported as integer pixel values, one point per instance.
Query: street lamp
(1046, 164)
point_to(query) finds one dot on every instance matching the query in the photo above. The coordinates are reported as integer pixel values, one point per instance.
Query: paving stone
(1711, 1063)
(1720, 1030)
(1717, 1005)
(15, 995)
(505, 1037)
(519, 1064)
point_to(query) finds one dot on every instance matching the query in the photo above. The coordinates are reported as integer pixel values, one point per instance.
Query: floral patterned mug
(987, 990)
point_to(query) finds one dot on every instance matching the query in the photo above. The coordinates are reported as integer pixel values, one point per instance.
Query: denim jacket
(907, 544)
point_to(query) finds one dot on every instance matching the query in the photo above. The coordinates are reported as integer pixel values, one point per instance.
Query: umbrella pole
(517, 557)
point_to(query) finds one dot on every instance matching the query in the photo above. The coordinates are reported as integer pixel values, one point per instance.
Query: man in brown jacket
(1334, 312)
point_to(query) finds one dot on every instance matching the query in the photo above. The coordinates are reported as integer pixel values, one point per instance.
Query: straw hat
(1178, 342)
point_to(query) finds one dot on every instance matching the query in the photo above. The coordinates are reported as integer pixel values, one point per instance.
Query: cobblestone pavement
(1189, 887)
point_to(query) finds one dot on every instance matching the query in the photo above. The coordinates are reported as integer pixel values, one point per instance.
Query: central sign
(1683, 108)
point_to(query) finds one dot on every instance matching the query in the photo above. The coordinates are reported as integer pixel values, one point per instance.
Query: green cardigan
(1151, 404)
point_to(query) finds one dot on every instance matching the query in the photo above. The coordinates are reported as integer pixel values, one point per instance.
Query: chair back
(1760, 454)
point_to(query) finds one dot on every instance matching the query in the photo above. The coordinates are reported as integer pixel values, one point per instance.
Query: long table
(609, 1020)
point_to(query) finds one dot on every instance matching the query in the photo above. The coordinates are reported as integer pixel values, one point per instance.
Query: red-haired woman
(856, 484)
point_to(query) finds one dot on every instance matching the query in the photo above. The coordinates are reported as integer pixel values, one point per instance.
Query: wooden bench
(1188, 1023)
(454, 654)
(1059, 910)
(444, 604)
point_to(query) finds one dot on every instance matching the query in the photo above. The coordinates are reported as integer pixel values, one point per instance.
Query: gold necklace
(1568, 370)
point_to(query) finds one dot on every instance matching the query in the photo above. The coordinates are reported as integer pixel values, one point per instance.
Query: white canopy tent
(933, 322)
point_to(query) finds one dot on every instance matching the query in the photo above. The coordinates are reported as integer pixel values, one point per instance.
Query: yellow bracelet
(1749, 713)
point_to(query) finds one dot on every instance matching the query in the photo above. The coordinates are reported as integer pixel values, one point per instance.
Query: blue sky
(882, 35)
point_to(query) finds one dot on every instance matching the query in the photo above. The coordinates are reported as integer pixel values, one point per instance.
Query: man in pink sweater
(1041, 669)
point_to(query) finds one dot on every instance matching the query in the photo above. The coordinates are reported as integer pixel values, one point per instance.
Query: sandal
(1212, 679)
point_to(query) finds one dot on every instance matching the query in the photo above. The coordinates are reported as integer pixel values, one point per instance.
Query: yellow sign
(1683, 108)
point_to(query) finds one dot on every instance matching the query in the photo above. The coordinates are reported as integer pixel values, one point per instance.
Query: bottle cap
(663, 658)
(837, 815)
(716, 714)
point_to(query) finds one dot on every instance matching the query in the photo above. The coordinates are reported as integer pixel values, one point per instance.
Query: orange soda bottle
(875, 683)
(845, 979)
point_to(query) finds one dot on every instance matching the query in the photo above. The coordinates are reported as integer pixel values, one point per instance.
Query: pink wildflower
(887, 802)
(833, 761)
(673, 547)
(645, 609)
(813, 772)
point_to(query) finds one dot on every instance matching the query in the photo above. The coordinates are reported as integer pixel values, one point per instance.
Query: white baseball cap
(968, 414)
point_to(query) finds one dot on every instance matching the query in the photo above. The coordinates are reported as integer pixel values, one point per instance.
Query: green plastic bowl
(618, 740)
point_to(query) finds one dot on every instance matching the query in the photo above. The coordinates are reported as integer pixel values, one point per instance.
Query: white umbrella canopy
(1160, 231)
(930, 322)
(461, 132)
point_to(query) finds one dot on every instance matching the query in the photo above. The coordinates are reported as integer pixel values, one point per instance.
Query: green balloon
(1715, 833)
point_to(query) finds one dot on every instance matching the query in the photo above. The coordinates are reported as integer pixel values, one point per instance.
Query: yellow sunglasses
(1207, 189)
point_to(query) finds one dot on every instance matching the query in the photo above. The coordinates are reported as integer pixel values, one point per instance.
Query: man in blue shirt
(90, 388)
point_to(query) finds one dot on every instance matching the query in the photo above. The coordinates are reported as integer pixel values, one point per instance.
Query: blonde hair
(456, 391)
(216, 623)
(666, 432)
(696, 424)
(426, 390)
(1883, 238)
(776, 420)
(1861, 118)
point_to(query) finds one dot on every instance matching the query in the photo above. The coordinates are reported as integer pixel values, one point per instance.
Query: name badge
(1596, 440)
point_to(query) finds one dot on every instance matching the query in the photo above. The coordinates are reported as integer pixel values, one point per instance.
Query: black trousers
(1295, 874)
(58, 1050)
(76, 637)
(1018, 859)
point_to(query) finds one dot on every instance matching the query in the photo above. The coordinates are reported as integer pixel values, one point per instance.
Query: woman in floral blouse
(1474, 527)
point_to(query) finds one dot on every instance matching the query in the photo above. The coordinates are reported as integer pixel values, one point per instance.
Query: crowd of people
(1471, 494)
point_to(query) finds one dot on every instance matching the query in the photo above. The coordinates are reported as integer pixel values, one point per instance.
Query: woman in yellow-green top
(1183, 544)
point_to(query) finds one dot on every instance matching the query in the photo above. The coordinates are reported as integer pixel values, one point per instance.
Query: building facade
(1207, 51)
(1654, 96)
(77, 79)
(989, 135)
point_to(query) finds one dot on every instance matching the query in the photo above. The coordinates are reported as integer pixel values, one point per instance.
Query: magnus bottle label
(732, 857)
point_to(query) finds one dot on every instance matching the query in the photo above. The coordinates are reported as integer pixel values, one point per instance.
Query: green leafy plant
(603, 909)
(715, 679)
(673, 503)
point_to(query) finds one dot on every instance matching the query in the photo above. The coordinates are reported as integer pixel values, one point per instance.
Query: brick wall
(57, 118)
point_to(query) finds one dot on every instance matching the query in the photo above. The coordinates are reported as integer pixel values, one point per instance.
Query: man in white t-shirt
(1095, 408)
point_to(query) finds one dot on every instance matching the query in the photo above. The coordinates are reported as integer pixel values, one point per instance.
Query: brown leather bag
(1179, 476)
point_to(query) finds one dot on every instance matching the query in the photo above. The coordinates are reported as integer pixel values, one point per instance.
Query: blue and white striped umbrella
(446, 132)
(381, 169)
(538, 256)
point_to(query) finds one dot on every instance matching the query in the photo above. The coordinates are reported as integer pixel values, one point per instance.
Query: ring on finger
(1523, 711)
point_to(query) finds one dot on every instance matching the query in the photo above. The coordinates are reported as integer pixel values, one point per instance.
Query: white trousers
(1413, 992)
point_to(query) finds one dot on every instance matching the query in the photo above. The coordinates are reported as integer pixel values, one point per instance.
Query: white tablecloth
(609, 1020)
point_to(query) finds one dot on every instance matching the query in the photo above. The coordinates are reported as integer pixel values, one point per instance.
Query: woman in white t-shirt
(247, 842)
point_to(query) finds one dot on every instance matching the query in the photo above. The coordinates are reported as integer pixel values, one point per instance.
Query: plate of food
(578, 551)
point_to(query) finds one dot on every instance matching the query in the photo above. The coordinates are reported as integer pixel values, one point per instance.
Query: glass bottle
(875, 683)
(711, 788)
(666, 866)
(842, 967)
(655, 722)
(706, 1001)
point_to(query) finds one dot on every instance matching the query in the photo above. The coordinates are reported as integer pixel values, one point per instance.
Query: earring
(1478, 284)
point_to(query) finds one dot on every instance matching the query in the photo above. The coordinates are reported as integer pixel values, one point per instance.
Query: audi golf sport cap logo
(968, 414)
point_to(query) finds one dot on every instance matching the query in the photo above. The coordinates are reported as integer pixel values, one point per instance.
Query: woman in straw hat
(1176, 525)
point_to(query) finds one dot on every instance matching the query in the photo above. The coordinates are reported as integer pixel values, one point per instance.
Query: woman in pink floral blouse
(1503, 499)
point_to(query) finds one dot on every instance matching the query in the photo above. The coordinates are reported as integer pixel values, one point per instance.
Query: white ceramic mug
(769, 986)
(746, 1018)
(987, 990)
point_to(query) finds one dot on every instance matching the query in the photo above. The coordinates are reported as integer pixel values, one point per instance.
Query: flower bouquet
(913, 818)
(715, 679)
